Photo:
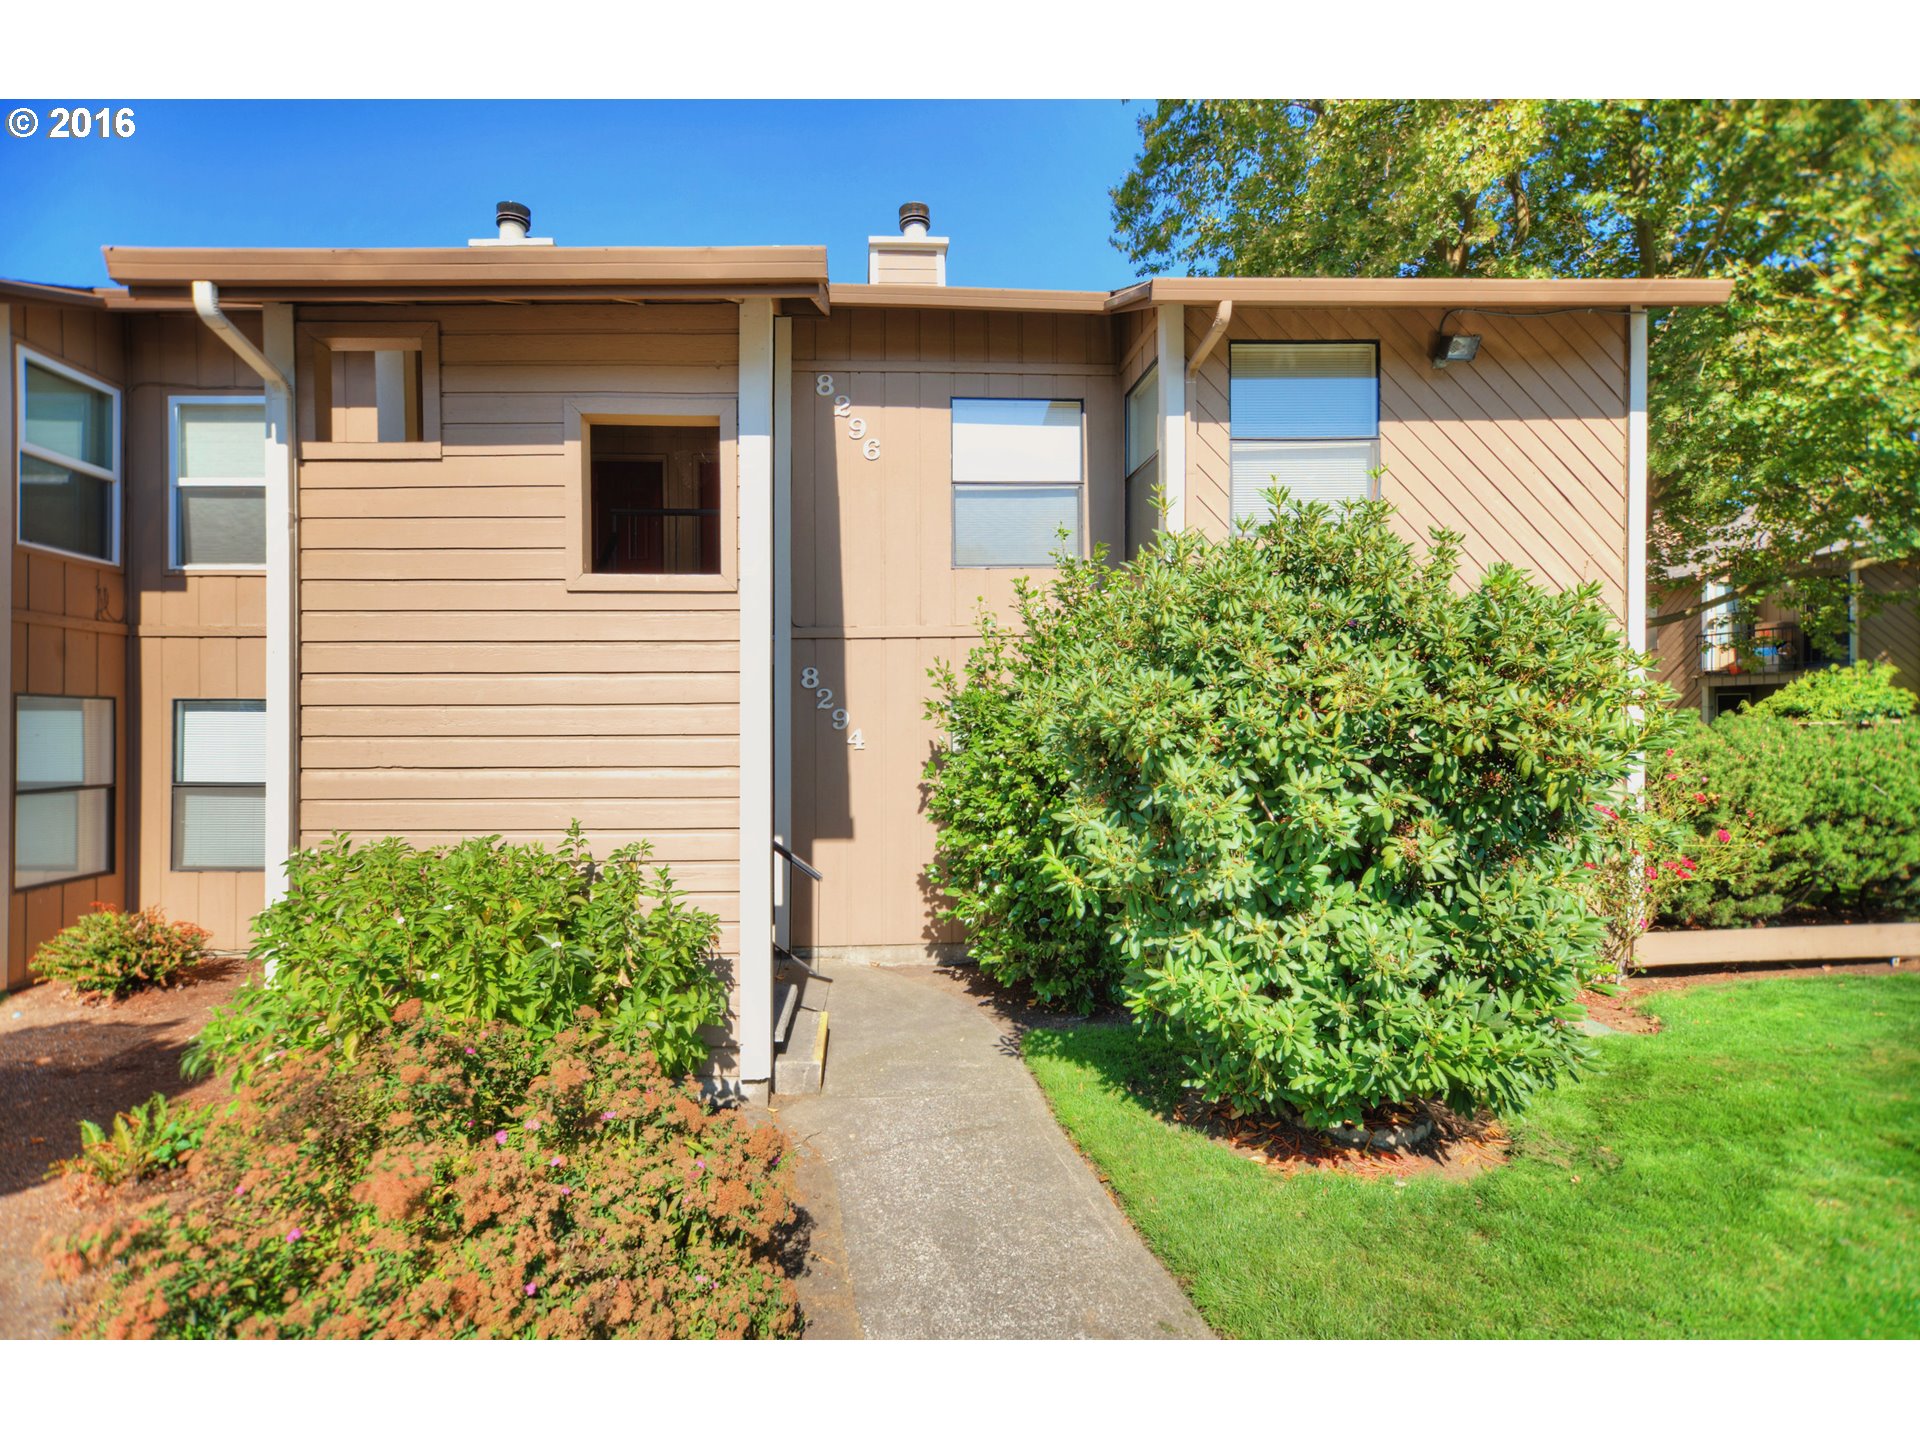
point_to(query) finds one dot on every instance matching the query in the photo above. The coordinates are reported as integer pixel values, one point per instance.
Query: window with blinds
(219, 784)
(1017, 482)
(1142, 458)
(63, 789)
(219, 514)
(69, 460)
(1304, 418)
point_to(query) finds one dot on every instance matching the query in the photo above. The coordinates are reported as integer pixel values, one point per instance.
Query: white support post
(783, 624)
(7, 403)
(755, 974)
(283, 613)
(1637, 504)
(1171, 359)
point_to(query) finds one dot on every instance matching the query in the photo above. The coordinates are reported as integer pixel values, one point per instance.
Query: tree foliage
(1783, 425)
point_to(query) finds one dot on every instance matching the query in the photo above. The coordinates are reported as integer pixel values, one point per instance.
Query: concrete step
(800, 1065)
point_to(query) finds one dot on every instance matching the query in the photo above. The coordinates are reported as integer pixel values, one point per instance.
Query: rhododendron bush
(1328, 806)
(456, 1179)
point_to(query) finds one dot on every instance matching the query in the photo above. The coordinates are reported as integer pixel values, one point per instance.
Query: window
(1142, 458)
(219, 784)
(369, 391)
(219, 516)
(1305, 417)
(1016, 481)
(655, 504)
(69, 460)
(63, 789)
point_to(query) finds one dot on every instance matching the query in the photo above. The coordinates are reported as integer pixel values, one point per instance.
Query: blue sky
(1021, 187)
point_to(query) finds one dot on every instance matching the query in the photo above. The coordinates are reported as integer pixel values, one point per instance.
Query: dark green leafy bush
(456, 1179)
(1332, 806)
(1838, 805)
(110, 951)
(993, 792)
(482, 930)
(1861, 693)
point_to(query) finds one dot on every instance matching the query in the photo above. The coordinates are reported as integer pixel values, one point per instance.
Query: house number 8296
(843, 410)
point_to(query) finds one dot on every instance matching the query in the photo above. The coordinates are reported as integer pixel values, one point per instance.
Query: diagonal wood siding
(1523, 452)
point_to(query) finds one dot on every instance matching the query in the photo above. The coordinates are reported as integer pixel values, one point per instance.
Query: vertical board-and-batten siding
(198, 635)
(69, 628)
(877, 599)
(1523, 451)
(450, 683)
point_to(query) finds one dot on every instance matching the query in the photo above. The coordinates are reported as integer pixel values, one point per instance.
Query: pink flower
(1669, 754)
(554, 1161)
(566, 1189)
(470, 1050)
(1610, 814)
(700, 1164)
(530, 1124)
(1722, 836)
(294, 1234)
(239, 1189)
(499, 1137)
(531, 1287)
(606, 1114)
(1698, 798)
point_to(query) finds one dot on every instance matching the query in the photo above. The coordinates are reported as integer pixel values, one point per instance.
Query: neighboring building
(667, 539)
(1735, 655)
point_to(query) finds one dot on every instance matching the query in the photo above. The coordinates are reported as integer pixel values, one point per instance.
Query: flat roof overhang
(1450, 294)
(795, 276)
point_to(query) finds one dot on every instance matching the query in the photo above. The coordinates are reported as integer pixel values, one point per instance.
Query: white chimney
(913, 257)
(513, 220)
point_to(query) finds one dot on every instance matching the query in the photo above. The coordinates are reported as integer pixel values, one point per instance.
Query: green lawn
(1752, 1170)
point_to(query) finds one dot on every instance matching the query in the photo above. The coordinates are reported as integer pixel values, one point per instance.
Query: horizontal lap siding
(877, 599)
(450, 684)
(1523, 452)
(70, 632)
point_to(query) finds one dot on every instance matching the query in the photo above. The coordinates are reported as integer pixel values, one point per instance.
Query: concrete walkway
(965, 1212)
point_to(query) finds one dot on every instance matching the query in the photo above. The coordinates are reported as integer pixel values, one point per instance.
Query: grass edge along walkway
(1752, 1170)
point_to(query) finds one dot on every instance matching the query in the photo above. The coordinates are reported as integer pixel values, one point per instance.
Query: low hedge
(1837, 806)
(455, 1179)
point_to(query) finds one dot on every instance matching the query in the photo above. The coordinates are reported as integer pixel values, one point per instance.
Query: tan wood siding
(451, 683)
(70, 631)
(1893, 632)
(1524, 451)
(198, 635)
(877, 598)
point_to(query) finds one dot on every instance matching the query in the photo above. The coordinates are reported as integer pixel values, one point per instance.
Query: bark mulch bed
(63, 1061)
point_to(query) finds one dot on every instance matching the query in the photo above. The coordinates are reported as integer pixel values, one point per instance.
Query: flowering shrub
(482, 930)
(1835, 806)
(115, 952)
(1329, 806)
(154, 1135)
(1860, 694)
(457, 1179)
(1662, 842)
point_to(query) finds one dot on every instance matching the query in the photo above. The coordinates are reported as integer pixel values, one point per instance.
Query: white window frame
(955, 484)
(111, 787)
(23, 446)
(175, 565)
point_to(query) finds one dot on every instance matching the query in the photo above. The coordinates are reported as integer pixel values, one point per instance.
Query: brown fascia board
(785, 272)
(971, 297)
(1444, 294)
(34, 292)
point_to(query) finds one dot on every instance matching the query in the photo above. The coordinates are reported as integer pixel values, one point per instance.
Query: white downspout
(1170, 356)
(282, 552)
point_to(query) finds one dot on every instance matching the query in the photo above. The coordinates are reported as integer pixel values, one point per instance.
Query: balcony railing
(1740, 647)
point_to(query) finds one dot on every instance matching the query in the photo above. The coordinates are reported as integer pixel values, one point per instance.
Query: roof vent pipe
(915, 217)
(514, 220)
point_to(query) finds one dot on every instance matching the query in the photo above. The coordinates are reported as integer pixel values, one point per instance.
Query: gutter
(283, 548)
